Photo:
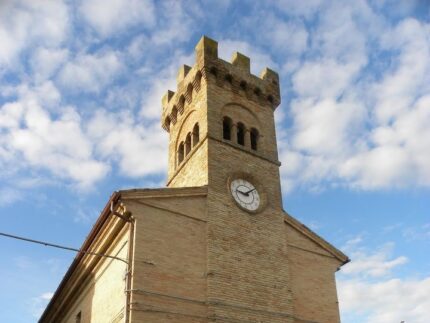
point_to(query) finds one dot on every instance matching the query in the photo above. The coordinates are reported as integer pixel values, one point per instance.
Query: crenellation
(183, 96)
(270, 75)
(236, 75)
(241, 61)
(182, 73)
(249, 85)
(206, 49)
(167, 97)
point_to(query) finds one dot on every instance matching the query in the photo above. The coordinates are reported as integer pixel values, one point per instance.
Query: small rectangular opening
(240, 134)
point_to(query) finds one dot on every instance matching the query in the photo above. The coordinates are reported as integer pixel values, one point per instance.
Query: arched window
(196, 134)
(254, 138)
(226, 128)
(181, 153)
(188, 144)
(241, 134)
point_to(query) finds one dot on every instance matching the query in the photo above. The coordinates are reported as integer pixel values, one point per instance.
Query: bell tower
(216, 244)
(222, 135)
(221, 119)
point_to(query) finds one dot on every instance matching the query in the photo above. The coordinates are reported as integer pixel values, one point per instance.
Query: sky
(80, 104)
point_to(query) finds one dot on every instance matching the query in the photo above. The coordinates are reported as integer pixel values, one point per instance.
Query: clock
(245, 194)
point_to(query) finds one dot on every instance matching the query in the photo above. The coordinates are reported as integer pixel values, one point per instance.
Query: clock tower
(221, 125)
(215, 245)
(222, 134)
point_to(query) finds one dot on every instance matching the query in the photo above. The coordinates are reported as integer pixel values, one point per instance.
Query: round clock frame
(247, 193)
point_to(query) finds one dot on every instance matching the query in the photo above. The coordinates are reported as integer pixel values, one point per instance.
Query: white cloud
(32, 137)
(353, 242)
(417, 233)
(376, 264)
(139, 150)
(9, 196)
(91, 73)
(112, 16)
(387, 299)
(259, 59)
(380, 167)
(392, 300)
(340, 34)
(299, 8)
(85, 216)
(401, 152)
(162, 81)
(45, 93)
(174, 23)
(58, 145)
(46, 296)
(151, 102)
(392, 227)
(25, 23)
(287, 37)
(352, 129)
(323, 79)
(409, 77)
(326, 126)
(39, 303)
(45, 62)
(138, 45)
(10, 115)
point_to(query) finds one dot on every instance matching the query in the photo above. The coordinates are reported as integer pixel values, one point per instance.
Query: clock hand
(250, 191)
(243, 193)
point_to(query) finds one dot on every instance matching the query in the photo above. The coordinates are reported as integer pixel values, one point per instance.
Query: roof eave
(104, 215)
(316, 238)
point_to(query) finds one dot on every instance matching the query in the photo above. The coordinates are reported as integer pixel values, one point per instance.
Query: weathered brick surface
(169, 273)
(103, 296)
(96, 289)
(312, 278)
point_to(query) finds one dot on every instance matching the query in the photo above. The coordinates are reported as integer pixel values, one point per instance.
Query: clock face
(245, 194)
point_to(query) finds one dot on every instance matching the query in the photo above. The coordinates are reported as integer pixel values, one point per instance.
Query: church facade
(215, 245)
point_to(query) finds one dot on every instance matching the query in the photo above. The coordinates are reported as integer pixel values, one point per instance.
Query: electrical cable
(61, 247)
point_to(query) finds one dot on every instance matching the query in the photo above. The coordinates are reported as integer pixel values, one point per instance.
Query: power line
(61, 247)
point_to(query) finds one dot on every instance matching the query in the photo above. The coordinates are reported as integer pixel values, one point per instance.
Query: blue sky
(80, 90)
